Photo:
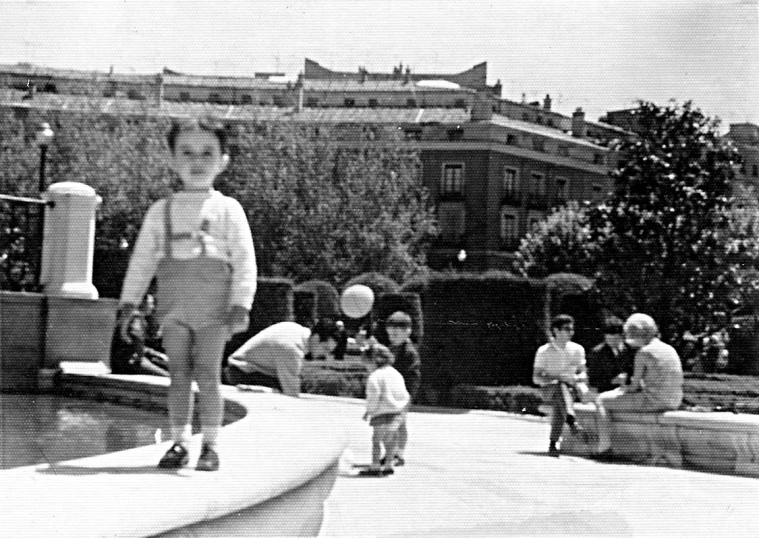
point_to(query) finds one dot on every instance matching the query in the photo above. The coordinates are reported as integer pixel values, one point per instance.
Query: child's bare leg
(177, 341)
(391, 445)
(378, 436)
(207, 353)
(402, 437)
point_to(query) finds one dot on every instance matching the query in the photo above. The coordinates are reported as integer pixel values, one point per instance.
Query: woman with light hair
(657, 382)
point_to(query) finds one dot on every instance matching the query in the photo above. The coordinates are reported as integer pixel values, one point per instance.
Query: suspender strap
(167, 228)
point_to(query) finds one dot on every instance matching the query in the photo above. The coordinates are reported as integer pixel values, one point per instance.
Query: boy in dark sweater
(408, 363)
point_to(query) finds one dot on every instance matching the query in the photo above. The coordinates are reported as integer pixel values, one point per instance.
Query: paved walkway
(486, 474)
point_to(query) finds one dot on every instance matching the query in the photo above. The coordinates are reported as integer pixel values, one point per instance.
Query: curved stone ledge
(716, 442)
(279, 460)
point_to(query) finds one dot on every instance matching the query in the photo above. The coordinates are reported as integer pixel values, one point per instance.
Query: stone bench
(706, 441)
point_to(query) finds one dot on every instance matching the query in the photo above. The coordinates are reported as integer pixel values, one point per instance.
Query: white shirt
(386, 392)
(228, 238)
(558, 361)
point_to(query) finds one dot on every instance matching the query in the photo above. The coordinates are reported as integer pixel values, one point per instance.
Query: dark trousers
(234, 376)
(560, 397)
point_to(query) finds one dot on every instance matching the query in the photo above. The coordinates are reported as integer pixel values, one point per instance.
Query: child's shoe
(371, 471)
(208, 460)
(176, 458)
(386, 471)
(398, 461)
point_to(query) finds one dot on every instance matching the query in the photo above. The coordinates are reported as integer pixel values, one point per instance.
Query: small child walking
(198, 245)
(386, 401)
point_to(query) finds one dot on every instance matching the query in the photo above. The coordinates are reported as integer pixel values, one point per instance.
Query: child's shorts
(392, 421)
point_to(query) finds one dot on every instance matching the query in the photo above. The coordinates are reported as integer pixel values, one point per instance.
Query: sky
(600, 55)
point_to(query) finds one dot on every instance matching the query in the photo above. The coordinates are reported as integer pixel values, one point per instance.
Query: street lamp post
(44, 136)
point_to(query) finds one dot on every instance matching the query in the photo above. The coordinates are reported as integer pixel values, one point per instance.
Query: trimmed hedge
(346, 380)
(517, 399)
(327, 298)
(304, 307)
(273, 303)
(480, 329)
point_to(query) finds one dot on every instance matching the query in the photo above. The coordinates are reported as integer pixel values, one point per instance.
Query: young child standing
(386, 401)
(399, 327)
(198, 245)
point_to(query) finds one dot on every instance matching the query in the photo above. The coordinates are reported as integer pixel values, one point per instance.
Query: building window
(510, 181)
(373, 103)
(459, 103)
(538, 144)
(597, 188)
(538, 184)
(563, 150)
(512, 140)
(455, 134)
(551, 123)
(411, 103)
(509, 228)
(246, 99)
(562, 188)
(525, 117)
(349, 102)
(755, 170)
(451, 219)
(598, 158)
(312, 102)
(184, 96)
(453, 178)
(413, 134)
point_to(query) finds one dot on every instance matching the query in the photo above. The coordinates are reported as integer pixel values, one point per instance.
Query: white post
(69, 240)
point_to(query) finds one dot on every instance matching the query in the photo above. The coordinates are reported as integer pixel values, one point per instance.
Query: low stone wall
(708, 441)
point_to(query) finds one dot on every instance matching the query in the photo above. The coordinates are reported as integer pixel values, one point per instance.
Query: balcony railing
(21, 230)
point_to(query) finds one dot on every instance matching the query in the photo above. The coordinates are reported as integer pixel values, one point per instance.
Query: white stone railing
(706, 441)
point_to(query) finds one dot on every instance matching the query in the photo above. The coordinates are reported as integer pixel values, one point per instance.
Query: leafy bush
(327, 298)
(347, 380)
(378, 283)
(516, 399)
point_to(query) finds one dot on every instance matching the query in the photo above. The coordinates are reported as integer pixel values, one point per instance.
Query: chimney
(362, 74)
(299, 84)
(482, 108)
(407, 76)
(578, 123)
(547, 102)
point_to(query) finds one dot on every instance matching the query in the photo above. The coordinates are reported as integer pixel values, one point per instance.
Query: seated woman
(135, 357)
(657, 382)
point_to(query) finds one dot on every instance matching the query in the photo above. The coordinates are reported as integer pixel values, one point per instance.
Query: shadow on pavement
(77, 470)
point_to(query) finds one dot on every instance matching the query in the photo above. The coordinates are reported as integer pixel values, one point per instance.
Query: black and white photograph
(379, 268)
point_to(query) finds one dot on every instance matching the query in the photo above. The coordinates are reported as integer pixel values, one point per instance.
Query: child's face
(398, 335)
(198, 159)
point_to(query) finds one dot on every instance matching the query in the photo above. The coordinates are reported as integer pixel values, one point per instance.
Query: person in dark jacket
(408, 363)
(610, 363)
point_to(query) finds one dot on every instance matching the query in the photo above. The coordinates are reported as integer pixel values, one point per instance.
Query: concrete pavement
(486, 474)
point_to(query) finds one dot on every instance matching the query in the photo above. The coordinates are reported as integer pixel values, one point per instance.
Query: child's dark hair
(326, 329)
(204, 123)
(561, 321)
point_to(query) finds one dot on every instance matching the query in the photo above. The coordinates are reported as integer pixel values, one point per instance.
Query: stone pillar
(69, 241)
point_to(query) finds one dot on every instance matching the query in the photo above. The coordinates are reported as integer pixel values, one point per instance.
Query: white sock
(182, 434)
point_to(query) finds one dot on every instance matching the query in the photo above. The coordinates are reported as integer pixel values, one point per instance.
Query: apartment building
(494, 167)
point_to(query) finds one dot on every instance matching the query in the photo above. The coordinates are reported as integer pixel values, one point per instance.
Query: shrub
(304, 307)
(480, 329)
(378, 282)
(348, 381)
(515, 399)
(272, 304)
(327, 298)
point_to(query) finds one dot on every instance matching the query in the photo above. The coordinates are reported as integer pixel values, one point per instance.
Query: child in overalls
(198, 245)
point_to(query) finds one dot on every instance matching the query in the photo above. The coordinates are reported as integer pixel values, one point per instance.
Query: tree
(671, 240)
(321, 208)
(559, 244)
(664, 237)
